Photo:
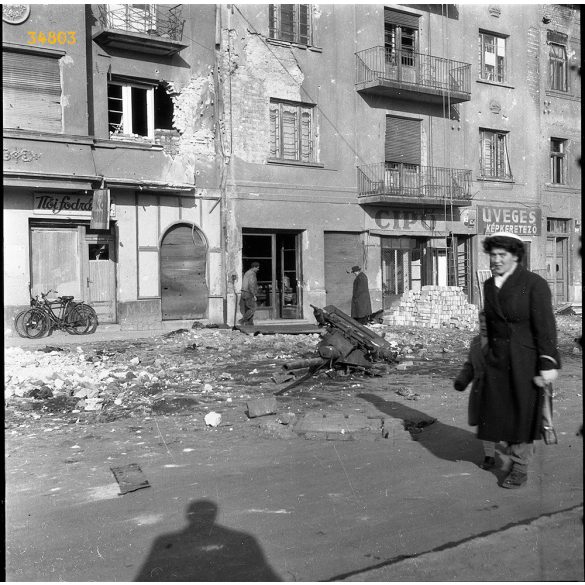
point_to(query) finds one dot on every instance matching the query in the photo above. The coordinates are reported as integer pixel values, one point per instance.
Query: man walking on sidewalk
(249, 292)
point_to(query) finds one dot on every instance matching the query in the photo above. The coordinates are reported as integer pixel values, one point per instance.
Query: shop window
(292, 133)
(492, 50)
(31, 85)
(558, 161)
(135, 111)
(494, 157)
(291, 23)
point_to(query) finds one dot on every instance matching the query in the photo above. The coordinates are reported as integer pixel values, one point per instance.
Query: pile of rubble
(435, 307)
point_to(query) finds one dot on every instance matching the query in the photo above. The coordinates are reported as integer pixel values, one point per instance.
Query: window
(557, 67)
(290, 22)
(557, 226)
(558, 173)
(494, 159)
(292, 133)
(400, 37)
(31, 86)
(492, 50)
(135, 110)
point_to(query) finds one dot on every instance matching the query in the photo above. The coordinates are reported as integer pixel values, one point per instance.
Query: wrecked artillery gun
(344, 343)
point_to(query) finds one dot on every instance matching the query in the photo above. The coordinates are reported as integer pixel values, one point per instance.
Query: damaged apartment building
(153, 152)
(110, 182)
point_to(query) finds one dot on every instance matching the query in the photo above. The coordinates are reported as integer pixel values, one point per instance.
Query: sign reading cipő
(521, 221)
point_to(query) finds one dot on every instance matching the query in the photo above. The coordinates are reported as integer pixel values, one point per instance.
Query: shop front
(419, 248)
(279, 279)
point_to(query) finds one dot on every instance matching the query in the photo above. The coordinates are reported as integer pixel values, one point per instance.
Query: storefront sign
(387, 219)
(100, 217)
(71, 205)
(516, 220)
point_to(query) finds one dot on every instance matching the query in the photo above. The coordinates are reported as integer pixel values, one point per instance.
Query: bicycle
(77, 318)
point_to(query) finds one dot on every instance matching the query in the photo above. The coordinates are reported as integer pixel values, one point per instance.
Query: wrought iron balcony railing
(160, 20)
(414, 181)
(384, 64)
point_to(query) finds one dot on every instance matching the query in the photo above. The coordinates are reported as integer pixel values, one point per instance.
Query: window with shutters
(292, 134)
(291, 23)
(400, 37)
(494, 157)
(31, 85)
(492, 51)
(558, 169)
(557, 67)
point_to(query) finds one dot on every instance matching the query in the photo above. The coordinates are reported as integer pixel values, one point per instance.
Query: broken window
(292, 131)
(135, 110)
(290, 22)
(557, 67)
(558, 150)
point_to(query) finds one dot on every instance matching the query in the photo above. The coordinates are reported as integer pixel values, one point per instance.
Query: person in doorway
(522, 345)
(249, 292)
(361, 306)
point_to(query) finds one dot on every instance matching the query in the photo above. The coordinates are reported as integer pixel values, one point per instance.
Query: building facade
(309, 138)
(110, 180)
(399, 148)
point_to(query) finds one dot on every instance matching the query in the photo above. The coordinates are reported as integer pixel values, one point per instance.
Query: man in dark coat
(522, 339)
(361, 306)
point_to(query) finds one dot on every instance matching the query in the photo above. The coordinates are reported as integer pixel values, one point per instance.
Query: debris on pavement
(130, 478)
(261, 407)
(212, 419)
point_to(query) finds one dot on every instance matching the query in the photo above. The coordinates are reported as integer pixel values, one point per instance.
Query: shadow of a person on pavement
(205, 551)
(442, 440)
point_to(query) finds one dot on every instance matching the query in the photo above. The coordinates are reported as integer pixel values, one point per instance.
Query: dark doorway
(279, 278)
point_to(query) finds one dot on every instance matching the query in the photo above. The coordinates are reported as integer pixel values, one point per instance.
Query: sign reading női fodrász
(521, 221)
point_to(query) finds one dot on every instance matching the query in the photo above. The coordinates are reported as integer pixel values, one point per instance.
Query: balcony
(148, 28)
(413, 76)
(403, 184)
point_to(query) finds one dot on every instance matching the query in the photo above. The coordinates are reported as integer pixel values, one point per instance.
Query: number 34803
(52, 38)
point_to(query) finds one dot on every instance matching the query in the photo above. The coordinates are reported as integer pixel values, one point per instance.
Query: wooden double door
(74, 260)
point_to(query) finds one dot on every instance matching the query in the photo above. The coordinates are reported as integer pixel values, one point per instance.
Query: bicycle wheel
(18, 323)
(35, 323)
(81, 319)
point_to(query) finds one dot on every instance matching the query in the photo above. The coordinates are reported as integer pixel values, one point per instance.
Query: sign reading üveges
(516, 220)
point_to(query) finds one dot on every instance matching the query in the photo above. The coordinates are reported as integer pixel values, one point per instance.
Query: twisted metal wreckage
(345, 343)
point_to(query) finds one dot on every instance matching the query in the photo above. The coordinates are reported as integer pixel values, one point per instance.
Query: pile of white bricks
(435, 307)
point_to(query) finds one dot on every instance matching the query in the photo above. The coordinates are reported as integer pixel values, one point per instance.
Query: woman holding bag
(522, 341)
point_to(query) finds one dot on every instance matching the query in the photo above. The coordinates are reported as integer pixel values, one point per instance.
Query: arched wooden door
(183, 269)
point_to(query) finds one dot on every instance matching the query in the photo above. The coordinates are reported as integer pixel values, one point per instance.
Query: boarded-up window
(31, 91)
(403, 142)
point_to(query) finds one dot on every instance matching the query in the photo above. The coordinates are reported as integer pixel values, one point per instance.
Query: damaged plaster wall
(256, 72)
(194, 119)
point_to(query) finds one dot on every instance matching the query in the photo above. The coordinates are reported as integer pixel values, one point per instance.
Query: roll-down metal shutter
(402, 140)
(342, 251)
(31, 91)
(400, 18)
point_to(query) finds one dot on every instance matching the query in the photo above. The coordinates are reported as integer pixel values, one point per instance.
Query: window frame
(278, 142)
(558, 68)
(276, 24)
(558, 162)
(500, 168)
(500, 70)
(126, 123)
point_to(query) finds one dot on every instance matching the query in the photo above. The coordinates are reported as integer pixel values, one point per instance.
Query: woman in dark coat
(522, 339)
(361, 306)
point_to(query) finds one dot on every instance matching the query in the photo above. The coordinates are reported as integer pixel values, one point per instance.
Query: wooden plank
(342, 251)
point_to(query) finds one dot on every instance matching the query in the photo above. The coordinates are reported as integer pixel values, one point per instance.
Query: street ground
(256, 498)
